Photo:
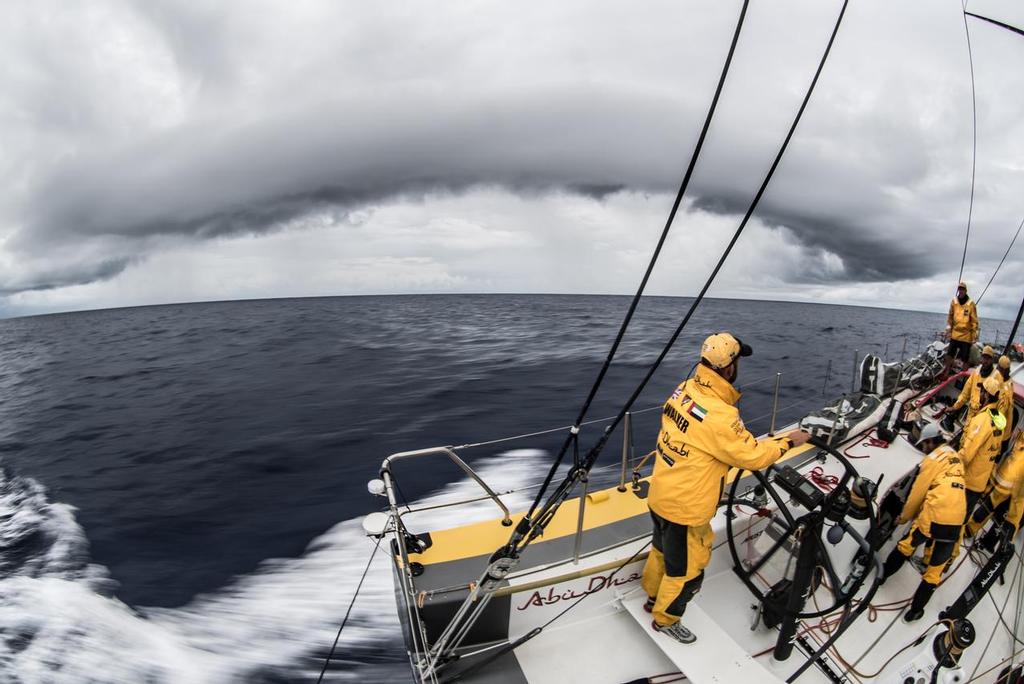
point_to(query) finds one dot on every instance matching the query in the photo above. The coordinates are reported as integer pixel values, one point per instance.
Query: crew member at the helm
(982, 440)
(970, 395)
(998, 497)
(937, 504)
(701, 437)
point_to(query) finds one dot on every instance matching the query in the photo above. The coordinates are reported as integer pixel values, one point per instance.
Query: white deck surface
(610, 648)
(713, 659)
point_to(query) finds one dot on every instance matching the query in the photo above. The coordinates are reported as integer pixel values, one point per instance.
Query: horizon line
(458, 294)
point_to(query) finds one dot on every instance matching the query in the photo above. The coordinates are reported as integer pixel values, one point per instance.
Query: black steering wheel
(807, 527)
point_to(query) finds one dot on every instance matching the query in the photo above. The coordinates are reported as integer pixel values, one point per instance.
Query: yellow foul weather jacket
(963, 321)
(701, 437)
(938, 495)
(1010, 470)
(1005, 405)
(971, 394)
(1014, 514)
(982, 439)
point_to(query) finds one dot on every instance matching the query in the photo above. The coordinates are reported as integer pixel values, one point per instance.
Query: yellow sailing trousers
(937, 553)
(984, 510)
(675, 566)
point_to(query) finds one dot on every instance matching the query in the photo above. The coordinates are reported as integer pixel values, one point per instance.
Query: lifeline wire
(650, 267)
(974, 153)
(327, 661)
(556, 498)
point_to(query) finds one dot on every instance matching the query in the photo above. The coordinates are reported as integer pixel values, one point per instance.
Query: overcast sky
(169, 150)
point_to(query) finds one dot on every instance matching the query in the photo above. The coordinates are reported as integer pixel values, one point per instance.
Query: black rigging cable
(974, 152)
(571, 438)
(556, 499)
(997, 23)
(327, 660)
(1005, 254)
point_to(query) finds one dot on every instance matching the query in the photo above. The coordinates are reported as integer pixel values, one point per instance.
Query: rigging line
(999, 614)
(974, 153)
(997, 23)
(650, 266)
(1020, 602)
(327, 661)
(1005, 254)
(555, 500)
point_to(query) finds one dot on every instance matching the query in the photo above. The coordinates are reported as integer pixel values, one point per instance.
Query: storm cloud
(140, 130)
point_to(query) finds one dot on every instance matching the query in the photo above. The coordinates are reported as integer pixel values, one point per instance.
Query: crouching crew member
(937, 504)
(701, 437)
(970, 395)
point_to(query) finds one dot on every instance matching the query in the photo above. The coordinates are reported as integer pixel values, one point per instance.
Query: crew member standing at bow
(701, 437)
(937, 504)
(962, 326)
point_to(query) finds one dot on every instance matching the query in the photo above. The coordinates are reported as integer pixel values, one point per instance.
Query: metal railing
(450, 453)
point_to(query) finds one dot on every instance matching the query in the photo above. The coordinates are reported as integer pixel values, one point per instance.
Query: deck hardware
(450, 453)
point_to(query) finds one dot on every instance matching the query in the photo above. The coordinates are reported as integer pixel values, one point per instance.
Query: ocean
(181, 487)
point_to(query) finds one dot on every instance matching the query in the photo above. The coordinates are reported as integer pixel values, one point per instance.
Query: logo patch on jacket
(697, 411)
(668, 459)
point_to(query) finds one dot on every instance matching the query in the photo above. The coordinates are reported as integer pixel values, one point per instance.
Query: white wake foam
(58, 625)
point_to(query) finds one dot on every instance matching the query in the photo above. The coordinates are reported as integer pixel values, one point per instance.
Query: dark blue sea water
(182, 485)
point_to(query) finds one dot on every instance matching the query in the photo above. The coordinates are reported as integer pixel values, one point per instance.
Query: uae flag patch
(697, 411)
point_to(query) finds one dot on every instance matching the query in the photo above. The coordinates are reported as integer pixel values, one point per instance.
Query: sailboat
(794, 589)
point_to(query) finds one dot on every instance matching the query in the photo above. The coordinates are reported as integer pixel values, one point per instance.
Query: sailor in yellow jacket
(962, 326)
(982, 441)
(1008, 518)
(937, 504)
(1005, 402)
(970, 395)
(1015, 511)
(998, 497)
(701, 438)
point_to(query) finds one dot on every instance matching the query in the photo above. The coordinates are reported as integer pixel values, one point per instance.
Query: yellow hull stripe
(604, 507)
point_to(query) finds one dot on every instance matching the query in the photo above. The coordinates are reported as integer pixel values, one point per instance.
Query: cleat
(649, 605)
(676, 631)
